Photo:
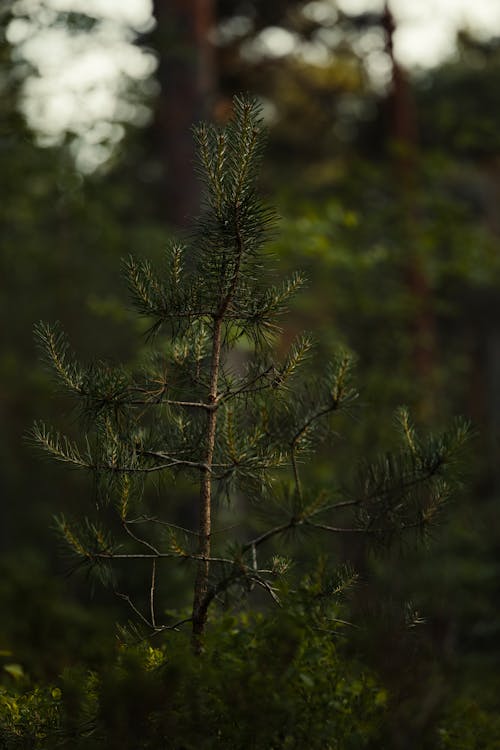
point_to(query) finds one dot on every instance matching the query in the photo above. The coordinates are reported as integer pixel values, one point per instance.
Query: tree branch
(139, 539)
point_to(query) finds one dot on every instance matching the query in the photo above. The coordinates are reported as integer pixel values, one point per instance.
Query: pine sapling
(230, 432)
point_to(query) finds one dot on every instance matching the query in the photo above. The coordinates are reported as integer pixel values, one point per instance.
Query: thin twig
(366, 529)
(244, 388)
(129, 601)
(162, 628)
(163, 556)
(296, 439)
(99, 468)
(139, 539)
(175, 461)
(267, 535)
(321, 413)
(136, 556)
(336, 529)
(152, 594)
(296, 477)
(335, 506)
(175, 626)
(152, 519)
(267, 586)
(343, 622)
(170, 402)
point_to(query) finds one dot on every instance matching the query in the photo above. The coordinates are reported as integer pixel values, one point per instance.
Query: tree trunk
(403, 131)
(205, 507)
(186, 73)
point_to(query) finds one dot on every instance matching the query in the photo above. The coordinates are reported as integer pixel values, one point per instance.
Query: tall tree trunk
(186, 74)
(404, 133)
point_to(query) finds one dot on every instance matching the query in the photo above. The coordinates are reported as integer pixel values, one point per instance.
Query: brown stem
(201, 600)
(201, 581)
(298, 486)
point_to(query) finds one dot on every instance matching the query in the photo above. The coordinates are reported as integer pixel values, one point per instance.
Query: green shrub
(263, 682)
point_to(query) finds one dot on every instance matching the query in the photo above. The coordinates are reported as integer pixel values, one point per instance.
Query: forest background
(387, 183)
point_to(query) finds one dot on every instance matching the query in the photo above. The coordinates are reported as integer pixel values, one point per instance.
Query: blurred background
(384, 163)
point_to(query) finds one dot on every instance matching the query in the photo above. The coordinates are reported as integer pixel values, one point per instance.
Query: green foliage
(27, 720)
(282, 681)
(469, 719)
(469, 725)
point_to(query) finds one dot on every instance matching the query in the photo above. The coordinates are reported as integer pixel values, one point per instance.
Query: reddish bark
(186, 74)
(404, 133)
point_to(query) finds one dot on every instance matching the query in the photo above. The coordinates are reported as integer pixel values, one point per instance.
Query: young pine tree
(247, 432)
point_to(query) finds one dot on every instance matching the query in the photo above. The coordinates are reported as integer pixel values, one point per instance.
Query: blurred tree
(187, 78)
(59, 230)
(304, 66)
(403, 133)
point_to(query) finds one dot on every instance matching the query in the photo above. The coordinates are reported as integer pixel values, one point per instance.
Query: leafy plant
(263, 682)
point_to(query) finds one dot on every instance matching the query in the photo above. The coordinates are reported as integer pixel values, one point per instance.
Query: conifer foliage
(232, 431)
